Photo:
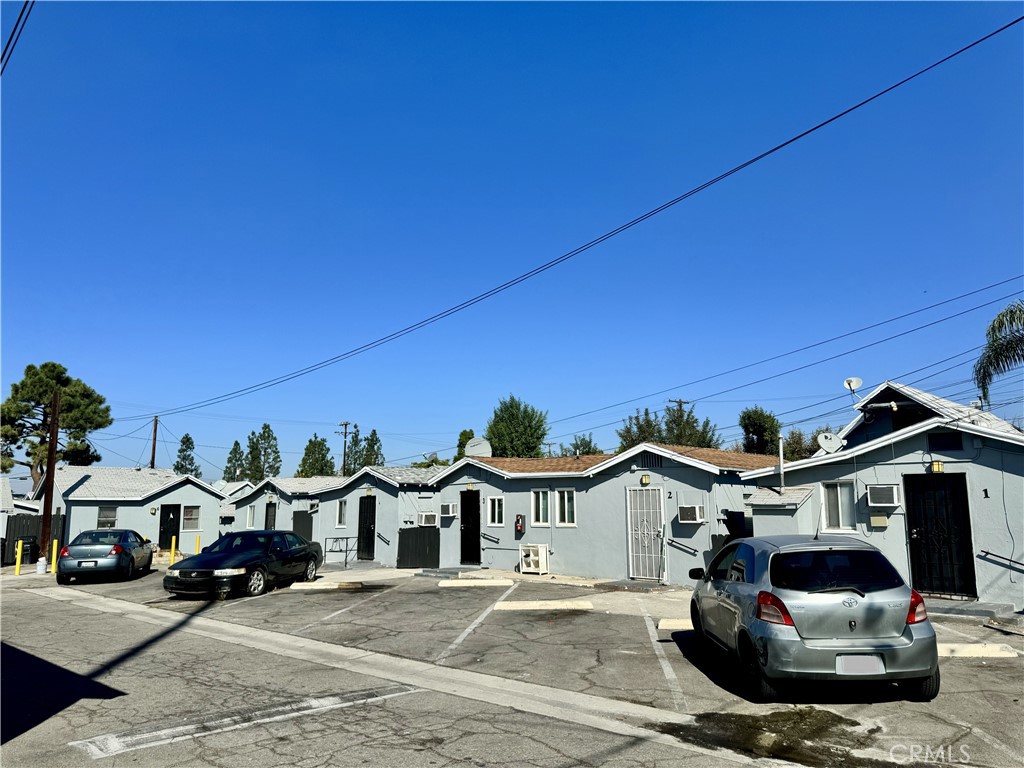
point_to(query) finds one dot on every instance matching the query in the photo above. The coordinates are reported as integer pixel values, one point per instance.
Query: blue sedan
(117, 551)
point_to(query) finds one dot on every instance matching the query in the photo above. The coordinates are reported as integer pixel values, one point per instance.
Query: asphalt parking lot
(607, 644)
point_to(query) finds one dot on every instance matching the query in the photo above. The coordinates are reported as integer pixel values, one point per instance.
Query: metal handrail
(684, 547)
(490, 538)
(340, 544)
(986, 553)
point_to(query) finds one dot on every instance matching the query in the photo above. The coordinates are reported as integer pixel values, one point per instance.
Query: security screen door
(643, 508)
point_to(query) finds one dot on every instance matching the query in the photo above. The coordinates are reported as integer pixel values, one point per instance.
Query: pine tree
(581, 445)
(254, 461)
(234, 468)
(761, 430)
(269, 452)
(353, 453)
(316, 461)
(681, 427)
(373, 451)
(186, 463)
(641, 428)
(464, 437)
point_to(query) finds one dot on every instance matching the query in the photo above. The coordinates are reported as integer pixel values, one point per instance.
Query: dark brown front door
(469, 514)
(271, 516)
(170, 523)
(939, 528)
(367, 527)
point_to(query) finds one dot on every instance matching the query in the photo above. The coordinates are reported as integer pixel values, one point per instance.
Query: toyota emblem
(850, 602)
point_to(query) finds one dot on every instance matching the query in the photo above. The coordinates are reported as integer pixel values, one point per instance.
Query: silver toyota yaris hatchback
(815, 608)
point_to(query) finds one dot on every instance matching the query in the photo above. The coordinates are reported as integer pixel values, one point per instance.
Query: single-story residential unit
(651, 512)
(937, 486)
(288, 503)
(155, 502)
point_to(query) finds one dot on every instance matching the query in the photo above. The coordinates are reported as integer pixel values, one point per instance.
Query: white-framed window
(495, 511)
(565, 507)
(539, 514)
(839, 509)
(341, 521)
(250, 516)
(190, 519)
(106, 517)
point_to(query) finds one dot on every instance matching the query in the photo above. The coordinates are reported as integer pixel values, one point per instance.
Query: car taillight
(918, 612)
(117, 549)
(64, 552)
(771, 609)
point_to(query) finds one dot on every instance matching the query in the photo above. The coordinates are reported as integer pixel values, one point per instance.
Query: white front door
(645, 519)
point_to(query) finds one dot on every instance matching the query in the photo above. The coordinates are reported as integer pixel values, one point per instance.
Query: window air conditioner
(426, 519)
(883, 495)
(449, 509)
(314, 506)
(691, 513)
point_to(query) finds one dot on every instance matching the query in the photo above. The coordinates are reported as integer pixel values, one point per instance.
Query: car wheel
(129, 570)
(924, 688)
(63, 580)
(762, 690)
(698, 625)
(310, 572)
(257, 583)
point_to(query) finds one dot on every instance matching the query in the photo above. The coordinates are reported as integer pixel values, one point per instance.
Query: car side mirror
(275, 550)
(145, 541)
(697, 574)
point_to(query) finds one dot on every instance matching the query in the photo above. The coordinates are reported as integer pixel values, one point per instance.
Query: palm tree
(1004, 347)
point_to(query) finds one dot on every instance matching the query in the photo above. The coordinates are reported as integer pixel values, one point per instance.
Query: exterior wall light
(937, 468)
(645, 479)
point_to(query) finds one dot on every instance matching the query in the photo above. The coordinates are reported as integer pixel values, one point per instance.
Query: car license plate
(87, 564)
(859, 664)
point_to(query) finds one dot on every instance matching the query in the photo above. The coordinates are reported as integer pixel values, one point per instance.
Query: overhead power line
(15, 36)
(564, 257)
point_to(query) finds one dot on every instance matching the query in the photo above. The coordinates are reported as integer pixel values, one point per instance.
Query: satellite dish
(478, 446)
(830, 443)
(431, 457)
(853, 383)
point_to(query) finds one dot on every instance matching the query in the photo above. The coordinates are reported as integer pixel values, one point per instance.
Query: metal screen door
(643, 508)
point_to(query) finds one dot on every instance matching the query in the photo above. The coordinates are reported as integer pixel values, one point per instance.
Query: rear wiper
(837, 589)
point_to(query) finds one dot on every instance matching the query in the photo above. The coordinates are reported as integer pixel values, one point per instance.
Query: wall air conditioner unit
(883, 495)
(449, 509)
(428, 519)
(691, 513)
(314, 506)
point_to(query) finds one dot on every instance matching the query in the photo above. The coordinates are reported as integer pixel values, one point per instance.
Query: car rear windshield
(241, 542)
(96, 537)
(818, 570)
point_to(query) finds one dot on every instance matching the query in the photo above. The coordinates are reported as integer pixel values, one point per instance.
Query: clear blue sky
(199, 197)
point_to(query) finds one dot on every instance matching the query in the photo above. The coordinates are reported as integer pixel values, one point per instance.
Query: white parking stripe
(666, 668)
(544, 605)
(458, 641)
(112, 744)
(343, 610)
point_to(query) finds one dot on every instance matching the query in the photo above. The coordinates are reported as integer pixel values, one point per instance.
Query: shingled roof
(723, 459)
(556, 465)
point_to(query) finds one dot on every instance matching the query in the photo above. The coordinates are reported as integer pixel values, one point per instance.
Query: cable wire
(566, 256)
(15, 36)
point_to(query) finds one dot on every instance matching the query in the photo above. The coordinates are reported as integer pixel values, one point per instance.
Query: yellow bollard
(197, 544)
(17, 559)
(174, 542)
(53, 560)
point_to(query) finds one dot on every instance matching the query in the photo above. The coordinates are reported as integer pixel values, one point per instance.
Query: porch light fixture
(936, 468)
(152, 510)
(645, 479)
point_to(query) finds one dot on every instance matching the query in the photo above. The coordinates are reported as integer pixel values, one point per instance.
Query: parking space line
(112, 744)
(666, 667)
(346, 608)
(544, 605)
(458, 641)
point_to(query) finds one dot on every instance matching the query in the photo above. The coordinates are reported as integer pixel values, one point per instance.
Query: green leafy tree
(464, 437)
(25, 420)
(681, 427)
(641, 428)
(1004, 347)
(354, 453)
(761, 430)
(254, 471)
(517, 429)
(186, 463)
(581, 445)
(373, 451)
(269, 452)
(234, 468)
(316, 461)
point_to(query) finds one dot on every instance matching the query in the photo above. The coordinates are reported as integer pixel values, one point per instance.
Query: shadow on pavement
(724, 671)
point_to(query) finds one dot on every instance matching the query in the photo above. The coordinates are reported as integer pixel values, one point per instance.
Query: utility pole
(152, 456)
(549, 448)
(679, 403)
(344, 445)
(51, 467)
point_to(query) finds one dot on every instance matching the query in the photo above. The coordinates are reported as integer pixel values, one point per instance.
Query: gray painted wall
(995, 497)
